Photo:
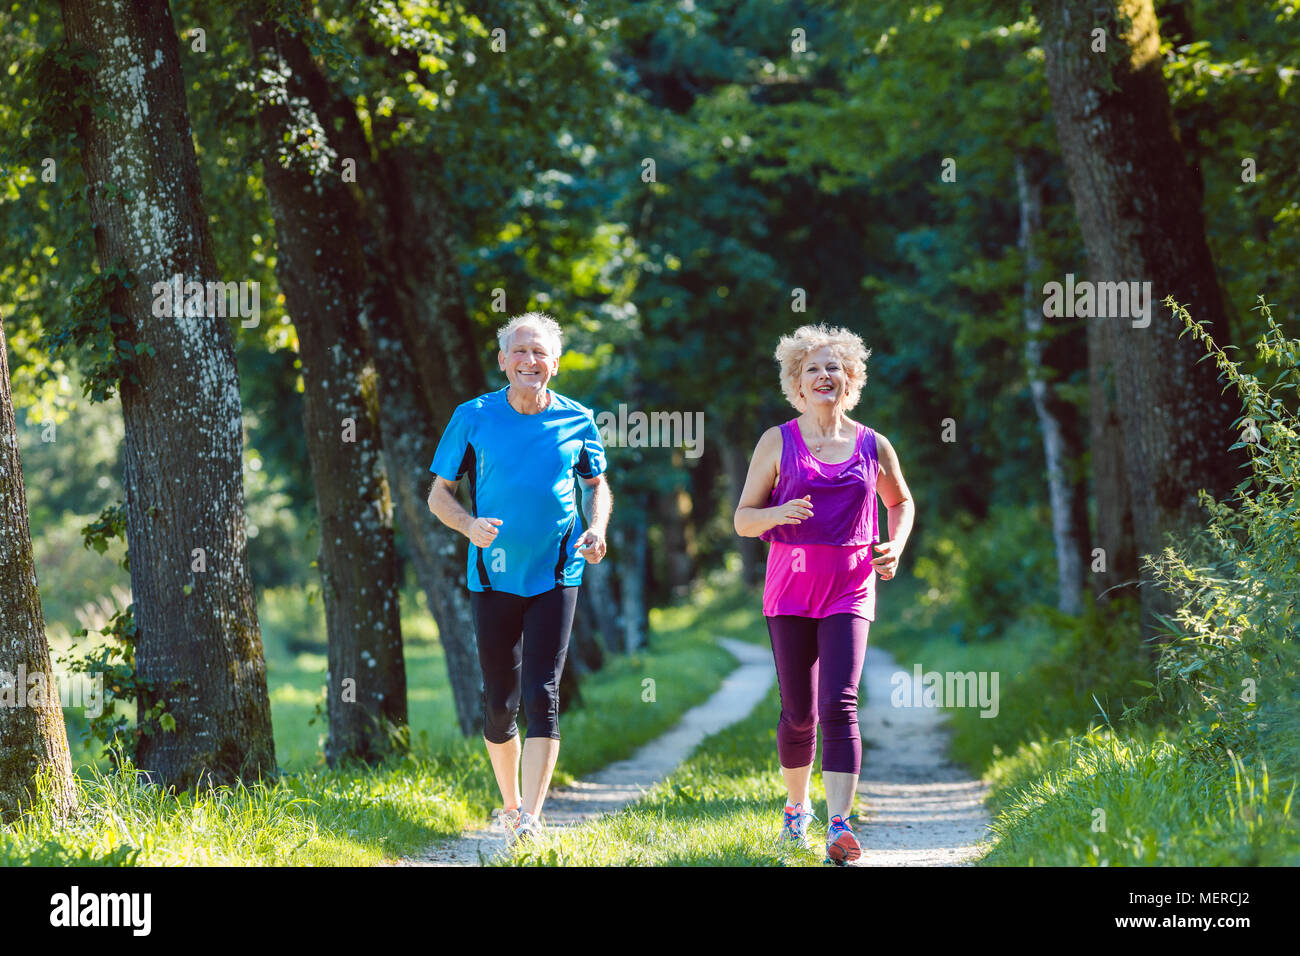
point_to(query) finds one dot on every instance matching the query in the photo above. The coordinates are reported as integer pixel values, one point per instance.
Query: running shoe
(795, 828)
(508, 821)
(842, 847)
(528, 828)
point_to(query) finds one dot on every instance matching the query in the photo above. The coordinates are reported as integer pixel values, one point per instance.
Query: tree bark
(401, 219)
(198, 643)
(629, 538)
(33, 739)
(598, 610)
(1139, 210)
(752, 553)
(678, 548)
(426, 359)
(1069, 507)
(322, 272)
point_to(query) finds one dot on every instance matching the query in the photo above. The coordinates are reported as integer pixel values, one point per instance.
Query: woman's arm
(752, 517)
(893, 491)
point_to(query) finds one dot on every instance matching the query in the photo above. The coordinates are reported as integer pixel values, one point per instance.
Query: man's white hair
(539, 322)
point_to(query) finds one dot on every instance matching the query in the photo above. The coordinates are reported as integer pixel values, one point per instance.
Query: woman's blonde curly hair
(793, 349)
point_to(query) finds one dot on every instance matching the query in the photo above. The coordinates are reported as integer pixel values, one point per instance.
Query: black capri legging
(523, 633)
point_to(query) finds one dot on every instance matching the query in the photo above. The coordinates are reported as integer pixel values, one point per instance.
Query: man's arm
(445, 506)
(597, 505)
(442, 502)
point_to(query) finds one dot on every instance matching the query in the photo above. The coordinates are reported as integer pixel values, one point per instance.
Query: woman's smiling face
(823, 380)
(528, 363)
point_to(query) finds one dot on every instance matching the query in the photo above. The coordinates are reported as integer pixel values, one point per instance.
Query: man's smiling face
(528, 362)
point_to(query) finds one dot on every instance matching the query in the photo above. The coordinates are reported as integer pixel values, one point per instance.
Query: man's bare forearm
(449, 511)
(597, 505)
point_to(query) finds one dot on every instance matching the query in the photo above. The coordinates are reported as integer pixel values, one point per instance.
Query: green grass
(356, 816)
(1073, 784)
(1135, 798)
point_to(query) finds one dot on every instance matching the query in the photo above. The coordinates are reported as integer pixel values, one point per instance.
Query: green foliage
(1203, 769)
(1232, 668)
(1161, 806)
(977, 578)
(110, 524)
(94, 335)
(360, 817)
(113, 660)
(120, 724)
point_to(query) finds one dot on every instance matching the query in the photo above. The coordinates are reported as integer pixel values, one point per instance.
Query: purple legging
(818, 665)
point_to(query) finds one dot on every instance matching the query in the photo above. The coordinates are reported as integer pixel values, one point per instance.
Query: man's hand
(482, 531)
(591, 545)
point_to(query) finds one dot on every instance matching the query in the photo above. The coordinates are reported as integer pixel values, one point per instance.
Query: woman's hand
(794, 511)
(591, 545)
(886, 563)
(482, 531)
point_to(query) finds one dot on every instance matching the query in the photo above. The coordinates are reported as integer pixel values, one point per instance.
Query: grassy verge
(1073, 783)
(1137, 797)
(358, 816)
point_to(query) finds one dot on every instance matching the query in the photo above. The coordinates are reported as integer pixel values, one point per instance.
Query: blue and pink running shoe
(842, 847)
(795, 828)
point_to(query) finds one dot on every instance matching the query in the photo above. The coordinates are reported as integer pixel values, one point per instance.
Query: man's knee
(541, 705)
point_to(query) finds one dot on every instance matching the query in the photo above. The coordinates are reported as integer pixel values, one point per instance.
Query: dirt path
(623, 782)
(915, 807)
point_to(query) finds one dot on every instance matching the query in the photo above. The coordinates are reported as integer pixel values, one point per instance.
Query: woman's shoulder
(773, 437)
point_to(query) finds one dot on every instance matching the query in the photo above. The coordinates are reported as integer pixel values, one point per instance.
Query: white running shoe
(508, 820)
(529, 827)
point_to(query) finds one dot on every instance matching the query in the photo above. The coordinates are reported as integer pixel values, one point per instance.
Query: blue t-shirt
(521, 469)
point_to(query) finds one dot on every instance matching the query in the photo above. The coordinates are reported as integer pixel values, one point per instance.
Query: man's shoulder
(566, 404)
(486, 401)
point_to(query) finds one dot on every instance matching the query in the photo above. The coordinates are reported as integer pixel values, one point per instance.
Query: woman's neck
(824, 421)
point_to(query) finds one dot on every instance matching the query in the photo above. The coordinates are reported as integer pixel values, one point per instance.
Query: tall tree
(322, 271)
(424, 353)
(33, 739)
(1056, 418)
(199, 647)
(1139, 209)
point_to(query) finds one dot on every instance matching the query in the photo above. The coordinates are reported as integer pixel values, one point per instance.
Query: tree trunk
(33, 739)
(672, 514)
(630, 541)
(322, 272)
(1139, 211)
(1069, 511)
(598, 609)
(441, 349)
(198, 642)
(420, 385)
(752, 554)
(1114, 568)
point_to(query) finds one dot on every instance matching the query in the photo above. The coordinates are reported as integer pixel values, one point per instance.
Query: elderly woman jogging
(520, 448)
(811, 492)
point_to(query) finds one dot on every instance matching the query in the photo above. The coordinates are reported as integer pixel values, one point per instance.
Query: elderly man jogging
(520, 449)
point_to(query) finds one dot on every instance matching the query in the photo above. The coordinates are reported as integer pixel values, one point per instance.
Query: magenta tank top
(823, 566)
(843, 494)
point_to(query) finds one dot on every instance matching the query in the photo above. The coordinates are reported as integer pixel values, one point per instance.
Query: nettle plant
(1231, 663)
